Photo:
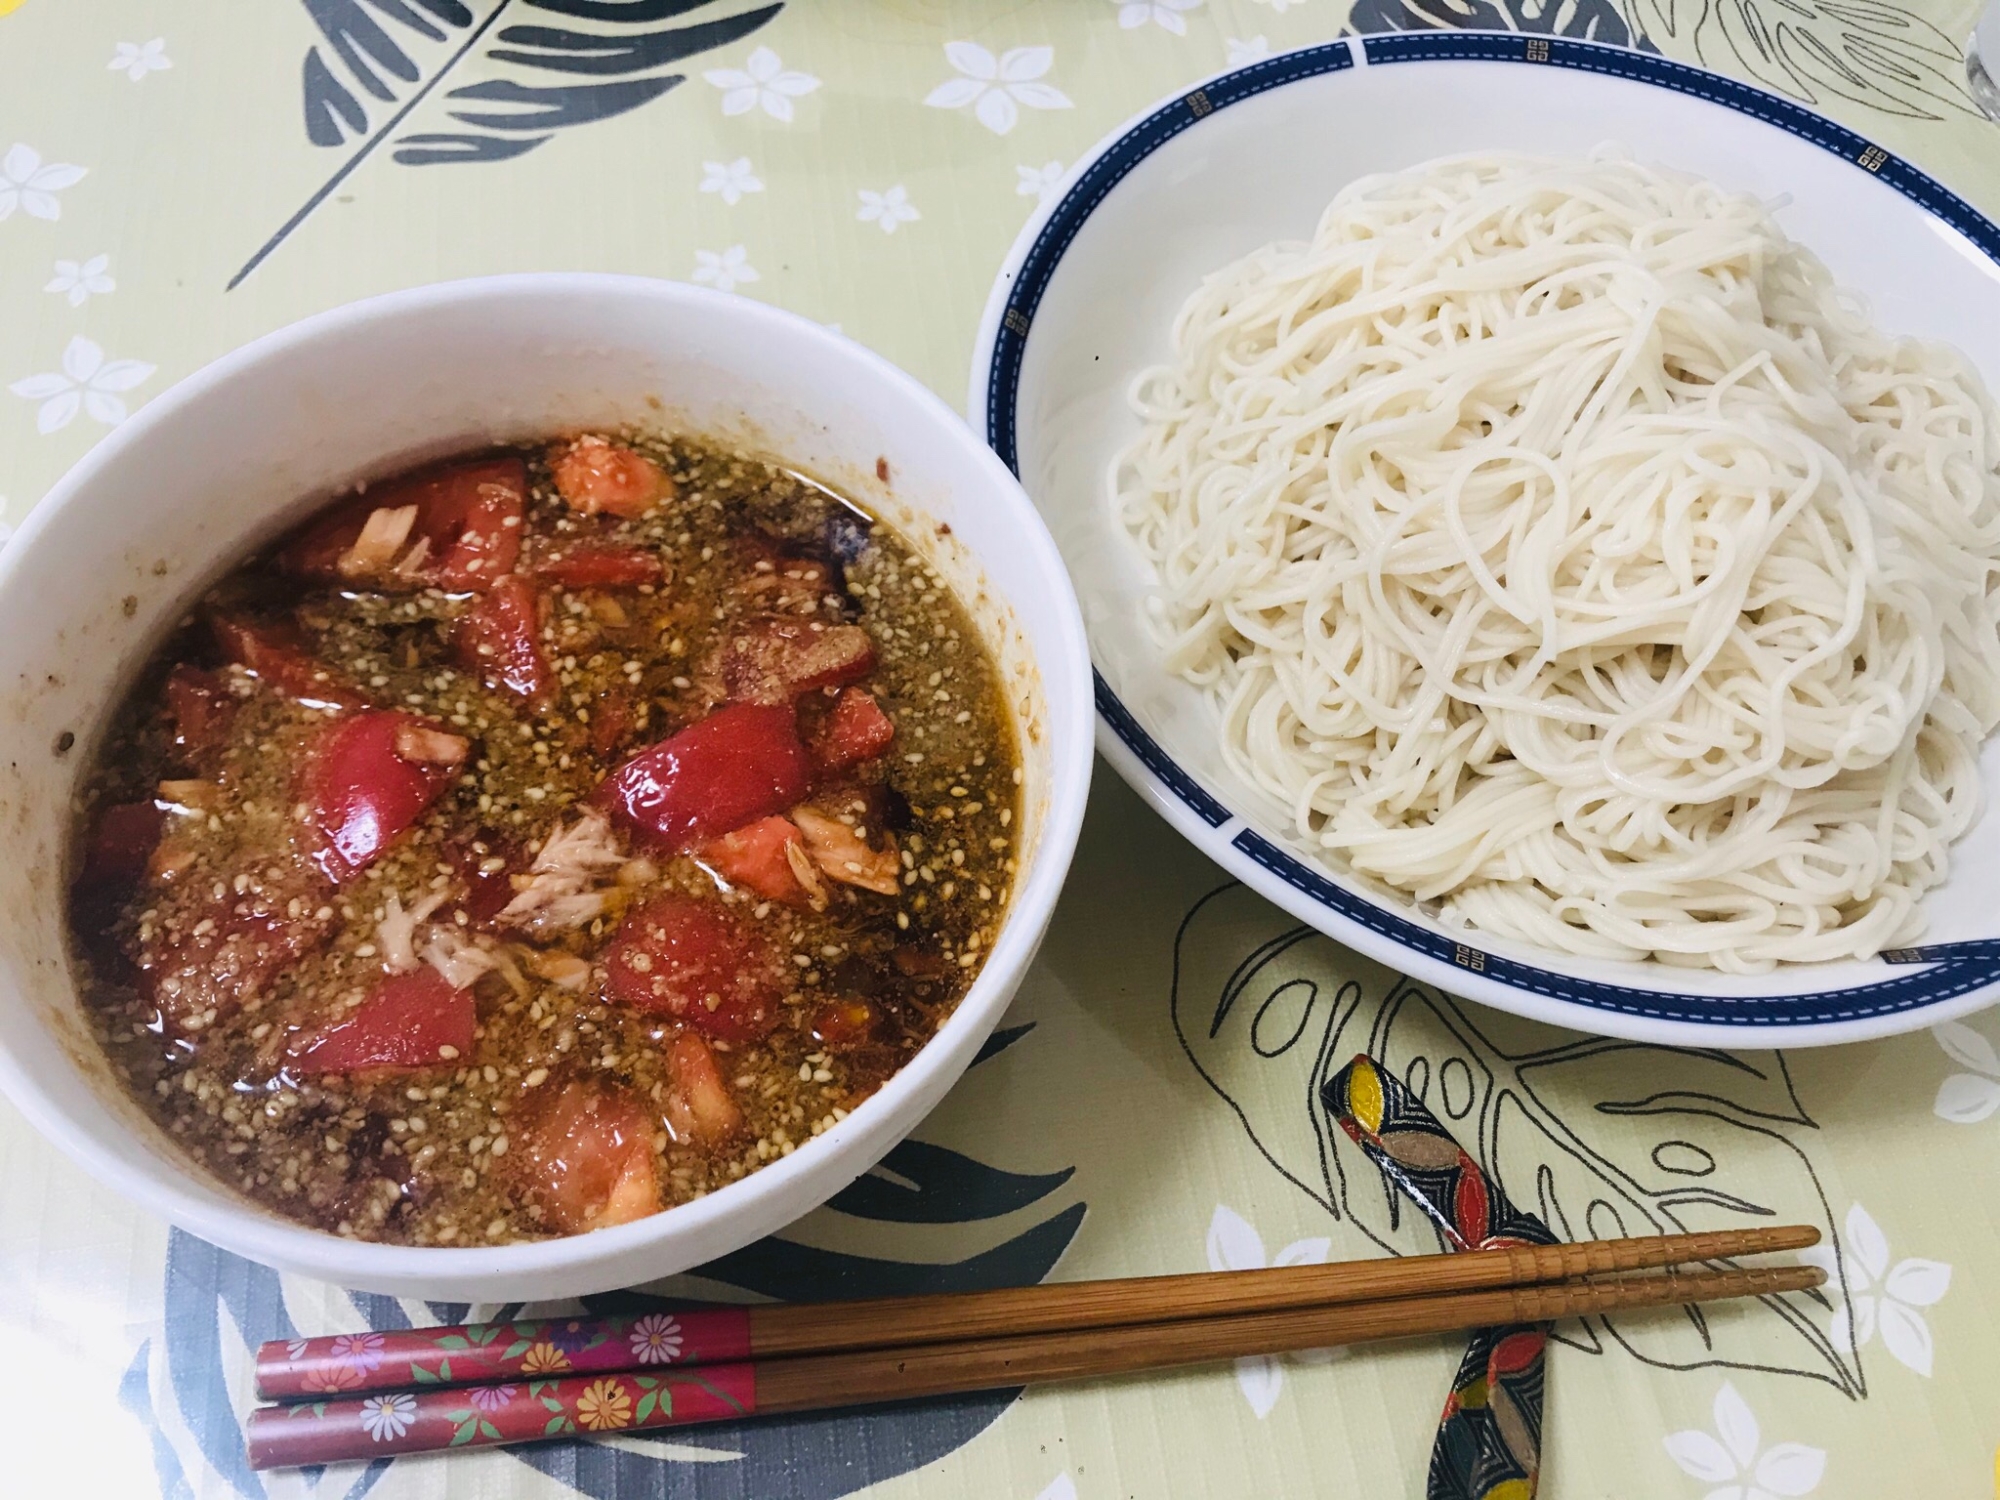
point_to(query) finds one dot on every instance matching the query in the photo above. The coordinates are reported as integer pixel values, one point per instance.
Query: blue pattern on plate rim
(1943, 971)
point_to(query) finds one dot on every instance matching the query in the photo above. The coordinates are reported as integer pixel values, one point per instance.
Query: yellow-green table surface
(1148, 1115)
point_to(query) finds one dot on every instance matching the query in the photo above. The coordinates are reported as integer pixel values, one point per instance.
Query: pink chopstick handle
(352, 1364)
(392, 1422)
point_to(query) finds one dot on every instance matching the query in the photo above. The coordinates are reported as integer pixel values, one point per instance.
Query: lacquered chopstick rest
(1489, 1439)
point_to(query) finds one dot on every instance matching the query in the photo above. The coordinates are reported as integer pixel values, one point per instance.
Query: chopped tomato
(464, 534)
(122, 844)
(413, 1020)
(700, 1107)
(362, 792)
(486, 891)
(610, 722)
(499, 637)
(760, 857)
(844, 1024)
(216, 962)
(585, 1158)
(855, 731)
(599, 565)
(739, 764)
(200, 708)
(782, 580)
(699, 963)
(594, 476)
(276, 654)
(779, 659)
(840, 851)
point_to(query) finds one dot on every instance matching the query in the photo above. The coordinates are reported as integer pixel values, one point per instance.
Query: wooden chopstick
(356, 1364)
(436, 1418)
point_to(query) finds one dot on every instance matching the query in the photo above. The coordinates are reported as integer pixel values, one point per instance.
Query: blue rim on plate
(1921, 978)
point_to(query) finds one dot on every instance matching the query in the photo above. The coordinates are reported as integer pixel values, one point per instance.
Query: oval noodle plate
(1087, 298)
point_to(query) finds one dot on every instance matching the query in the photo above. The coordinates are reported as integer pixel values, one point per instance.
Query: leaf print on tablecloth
(377, 62)
(1597, 1137)
(1866, 52)
(1585, 20)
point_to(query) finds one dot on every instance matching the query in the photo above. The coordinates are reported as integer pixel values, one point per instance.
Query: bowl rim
(1927, 984)
(247, 1228)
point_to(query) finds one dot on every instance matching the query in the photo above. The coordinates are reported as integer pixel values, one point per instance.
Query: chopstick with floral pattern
(439, 1418)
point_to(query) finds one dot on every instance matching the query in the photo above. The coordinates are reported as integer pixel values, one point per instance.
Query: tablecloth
(177, 179)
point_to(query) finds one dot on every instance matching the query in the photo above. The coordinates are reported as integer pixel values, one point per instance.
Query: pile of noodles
(1567, 551)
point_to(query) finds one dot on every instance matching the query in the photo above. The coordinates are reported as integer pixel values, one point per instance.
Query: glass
(1982, 60)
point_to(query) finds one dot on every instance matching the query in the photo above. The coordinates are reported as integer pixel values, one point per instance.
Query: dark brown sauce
(214, 1028)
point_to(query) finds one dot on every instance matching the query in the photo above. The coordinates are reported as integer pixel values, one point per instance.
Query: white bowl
(234, 454)
(1088, 296)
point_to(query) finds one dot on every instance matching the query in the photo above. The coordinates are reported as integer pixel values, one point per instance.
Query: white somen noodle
(1565, 550)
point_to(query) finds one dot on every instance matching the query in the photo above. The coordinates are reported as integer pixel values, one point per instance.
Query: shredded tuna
(562, 883)
(396, 933)
(460, 959)
(426, 746)
(382, 537)
(839, 851)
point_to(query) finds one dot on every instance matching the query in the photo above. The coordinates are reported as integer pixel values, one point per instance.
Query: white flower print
(997, 87)
(1735, 1464)
(135, 61)
(725, 270)
(887, 208)
(26, 181)
(730, 179)
(82, 282)
(294, 1348)
(1242, 52)
(388, 1416)
(1165, 14)
(1281, 6)
(1883, 1296)
(1038, 182)
(1235, 1245)
(87, 381)
(1967, 1098)
(656, 1340)
(761, 83)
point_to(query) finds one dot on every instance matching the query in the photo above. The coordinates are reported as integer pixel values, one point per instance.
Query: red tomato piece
(189, 972)
(782, 580)
(276, 654)
(595, 476)
(599, 565)
(413, 1020)
(121, 845)
(585, 1158)
(758, 857)
(466, 532)
(487, 891)
(610, 722)
(200, 708)
(367, 780)
(855, 731)
(739, 764)
(699, 963)
(499, 637)
(779, 659)
(700, 1107)
(844, 1024)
